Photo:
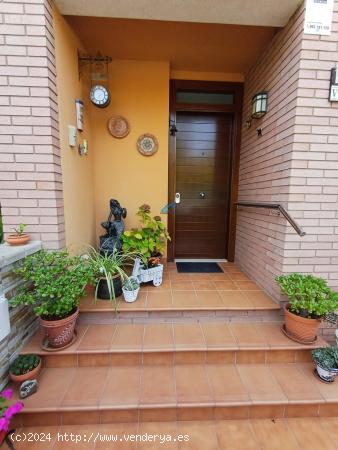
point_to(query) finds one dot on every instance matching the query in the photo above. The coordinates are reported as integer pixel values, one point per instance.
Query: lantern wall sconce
(259, 105)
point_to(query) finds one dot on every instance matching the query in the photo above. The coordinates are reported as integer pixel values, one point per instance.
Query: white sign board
(318, 17)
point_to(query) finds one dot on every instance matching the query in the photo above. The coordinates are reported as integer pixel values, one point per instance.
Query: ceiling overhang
(270, 13)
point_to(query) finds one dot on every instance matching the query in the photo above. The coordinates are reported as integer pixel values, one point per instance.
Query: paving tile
(128, 336)
(161, 430)
(235, 300)
(206, 285)
(198, 435)
(119, 431)
(211, 299)
(86, 387)
(247, 286)
(260, 299)
(218, 335)
(122, 387)
(192, 384)
(188, 335)
(235, 435)
(85, 435)
(181, 285)
(158, 336)
(310, 434)
(261, 384)
(248, 335)
(226, 285)
(226, 385)
(328, 391)
(97, 337)
(41, 438)
(185, 299)
(274, 435)
(157, 385)
(159, 300)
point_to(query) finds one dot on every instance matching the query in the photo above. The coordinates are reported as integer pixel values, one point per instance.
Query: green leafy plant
(19, 231)
(55, 282)
(309, 296)
(24, 363)
(107, 266)
(148, 240)
(131, 284)
(326, 357)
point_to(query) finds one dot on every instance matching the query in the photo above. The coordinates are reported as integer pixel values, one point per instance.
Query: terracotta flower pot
(300, 327)
(33, 374)
(18, 239)
(3, 434)
(60, 332)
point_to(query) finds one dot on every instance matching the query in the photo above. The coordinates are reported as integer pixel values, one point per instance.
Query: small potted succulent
(326, 359)
(55, 282)
(19, 237)
(25, 367)
(6, 413)
(310, 300)
(148, 242)
(130, 289)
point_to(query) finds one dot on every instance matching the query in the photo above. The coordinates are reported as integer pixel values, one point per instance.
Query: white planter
(154, 274)
(326, 375)
(5, 327)
(130, 296)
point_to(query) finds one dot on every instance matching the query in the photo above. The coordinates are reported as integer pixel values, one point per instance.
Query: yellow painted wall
(77, 171)
(139, 92)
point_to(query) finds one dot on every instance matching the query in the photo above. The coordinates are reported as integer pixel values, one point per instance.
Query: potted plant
(108, 271)
(6, 413)
(25, 367)
(148, 242)
(19, 237)
(55, 282)
(130, 289)
(326, 359)
(310, 299)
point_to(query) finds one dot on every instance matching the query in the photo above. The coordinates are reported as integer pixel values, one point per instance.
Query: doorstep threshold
(200, 260)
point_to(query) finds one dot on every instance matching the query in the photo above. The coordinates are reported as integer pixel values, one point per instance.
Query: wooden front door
(203, 181)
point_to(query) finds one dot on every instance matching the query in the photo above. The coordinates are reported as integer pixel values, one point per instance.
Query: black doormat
(198, 267)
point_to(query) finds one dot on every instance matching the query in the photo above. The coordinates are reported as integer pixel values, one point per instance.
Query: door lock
(202, 194)
(177, 197)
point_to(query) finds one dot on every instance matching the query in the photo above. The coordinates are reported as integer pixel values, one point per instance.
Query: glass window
(207, 98)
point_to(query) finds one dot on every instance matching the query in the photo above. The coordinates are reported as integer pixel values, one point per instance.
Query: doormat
(198, 267)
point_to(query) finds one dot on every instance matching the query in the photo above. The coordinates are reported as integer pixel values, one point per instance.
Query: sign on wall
(318, 17)
(333, 97)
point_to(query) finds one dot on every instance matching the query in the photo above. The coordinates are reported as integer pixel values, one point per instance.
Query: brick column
(30, 166)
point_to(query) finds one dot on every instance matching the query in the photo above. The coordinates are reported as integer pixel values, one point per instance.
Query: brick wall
(266, 161)
(30, 168)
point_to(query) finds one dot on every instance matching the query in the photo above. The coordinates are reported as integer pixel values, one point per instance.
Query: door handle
(202, 194)
(177, 197)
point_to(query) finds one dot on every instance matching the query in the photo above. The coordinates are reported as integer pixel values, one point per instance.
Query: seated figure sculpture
(114, 228)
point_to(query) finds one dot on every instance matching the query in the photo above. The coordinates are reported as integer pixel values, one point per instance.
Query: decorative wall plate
(147, 144)
(118, 126)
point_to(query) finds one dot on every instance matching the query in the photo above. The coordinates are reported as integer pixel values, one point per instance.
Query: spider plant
(108, 266)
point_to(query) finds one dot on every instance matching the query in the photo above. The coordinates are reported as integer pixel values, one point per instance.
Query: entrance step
(87, 395)
(175, 342)
(291, 433)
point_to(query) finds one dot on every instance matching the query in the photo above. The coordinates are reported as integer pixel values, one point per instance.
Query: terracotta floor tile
(227, 285)
(261, 383)
(182, 285)
(42, 433)
(157, 385)
(201, 435)
(192, 384)
(274, 435)
(158, 428)
(234, 299)
(294, 384)
(83, 432)
(165, 286)
(225, 383)
(218, 335)
(330, 426)
(247, 286)
(230, 268)
(206, 285)
(185, 299)
(122, 387)
(275, 337)
(158, 336)
(219, 276)
(188, 335)
(121, 431)
(175, 276)
(310, 434)
(53, 385)
(235, 435)
(247, 335)
(238, 276)
(128, 336)
(203, 277)
(86, 387)
(209, 299)
(260, 299)
(328, 391)
(97, 337)
(159, 300)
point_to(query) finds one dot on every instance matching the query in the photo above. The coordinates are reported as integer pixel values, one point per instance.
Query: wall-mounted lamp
(259, 105)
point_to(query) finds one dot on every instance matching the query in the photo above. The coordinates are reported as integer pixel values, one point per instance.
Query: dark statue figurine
(114, 228)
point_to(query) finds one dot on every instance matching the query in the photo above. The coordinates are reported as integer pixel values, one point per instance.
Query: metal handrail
(279, 208)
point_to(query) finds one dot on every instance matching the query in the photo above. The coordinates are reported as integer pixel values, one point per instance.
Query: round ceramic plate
(118, 126)
(147, 144)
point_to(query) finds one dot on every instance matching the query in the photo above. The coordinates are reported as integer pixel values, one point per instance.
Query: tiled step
(254, 434)
(179, 343)
(94, 395)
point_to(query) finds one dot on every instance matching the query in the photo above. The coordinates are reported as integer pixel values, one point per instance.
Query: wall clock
(147, 144)
(99, 96)
(118, 126)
